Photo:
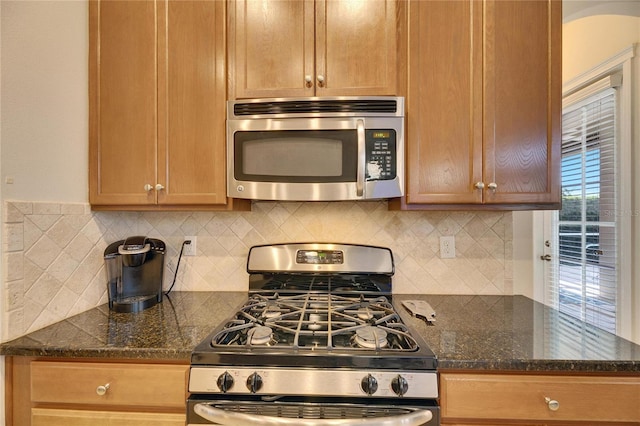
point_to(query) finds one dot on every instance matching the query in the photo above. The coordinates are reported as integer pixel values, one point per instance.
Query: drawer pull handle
(552, 404)
(102, 389)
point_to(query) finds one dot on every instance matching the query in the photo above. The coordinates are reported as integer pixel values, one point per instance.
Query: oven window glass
(296, 156)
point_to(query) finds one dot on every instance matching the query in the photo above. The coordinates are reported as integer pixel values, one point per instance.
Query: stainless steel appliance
(318, 342)
(135, 268)
(316, 149)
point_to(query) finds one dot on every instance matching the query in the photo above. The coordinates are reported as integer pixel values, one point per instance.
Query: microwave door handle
(222, 417)
(361, 158)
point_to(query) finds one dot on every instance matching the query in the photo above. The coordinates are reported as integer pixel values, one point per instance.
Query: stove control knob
(399, 385)
(369, 384)
(254, 382)
(225, 381)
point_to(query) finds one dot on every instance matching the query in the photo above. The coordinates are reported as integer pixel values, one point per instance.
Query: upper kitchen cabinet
(288, 48)
(483, 105)
(157, 104)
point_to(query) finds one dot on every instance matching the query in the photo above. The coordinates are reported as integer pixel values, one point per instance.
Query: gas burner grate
(317, 321)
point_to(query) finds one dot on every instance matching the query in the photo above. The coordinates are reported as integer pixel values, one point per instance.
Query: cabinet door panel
(123, 118)
(522, 397)
(271, 48)
(522, 101)
(444, 99)
(356, 47)
(191, 103)
(53, 417)
(129, 384)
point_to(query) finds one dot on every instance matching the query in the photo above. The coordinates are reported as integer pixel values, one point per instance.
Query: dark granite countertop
(471, 332)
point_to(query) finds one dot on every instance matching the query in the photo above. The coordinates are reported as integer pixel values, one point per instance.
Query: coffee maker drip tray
(134, 303)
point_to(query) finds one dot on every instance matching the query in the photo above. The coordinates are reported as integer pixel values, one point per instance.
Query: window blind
(583, 275)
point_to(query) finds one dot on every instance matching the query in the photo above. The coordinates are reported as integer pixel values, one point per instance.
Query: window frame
(622, 64)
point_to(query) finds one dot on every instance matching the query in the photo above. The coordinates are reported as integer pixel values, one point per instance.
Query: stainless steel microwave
(315, 149)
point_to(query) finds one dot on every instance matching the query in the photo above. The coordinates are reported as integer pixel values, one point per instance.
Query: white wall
(43, 106)
(44, 100)
(589, 41)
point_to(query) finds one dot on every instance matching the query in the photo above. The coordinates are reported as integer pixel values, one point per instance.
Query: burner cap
(313, 322)
(371, 337)
(260, 335)
(271, 312)
(365, 313)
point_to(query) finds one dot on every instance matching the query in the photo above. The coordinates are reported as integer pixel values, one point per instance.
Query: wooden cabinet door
(58, 417)
(191, 102)
(510, 398)
(157, 104)
(483, 104)
(289, 48)
(444, 101)
(122, 93)
(522, 103)
(356, 48)
(271, 48)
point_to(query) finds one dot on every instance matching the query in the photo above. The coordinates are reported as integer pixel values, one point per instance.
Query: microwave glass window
(296, 155)
(292, 157)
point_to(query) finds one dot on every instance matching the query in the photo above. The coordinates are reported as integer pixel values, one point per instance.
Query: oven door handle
(223, 417)
(361, 158)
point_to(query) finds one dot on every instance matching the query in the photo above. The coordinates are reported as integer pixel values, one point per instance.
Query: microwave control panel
(380, 154)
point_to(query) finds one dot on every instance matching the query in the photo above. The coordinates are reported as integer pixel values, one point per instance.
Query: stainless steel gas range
(318, 342)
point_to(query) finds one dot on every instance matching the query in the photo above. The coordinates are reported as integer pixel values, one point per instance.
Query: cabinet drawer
(53, 417)
(523, 397)
(128, 384)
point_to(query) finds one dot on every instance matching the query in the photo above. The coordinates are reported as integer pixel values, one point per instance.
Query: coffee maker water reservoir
(135, 268)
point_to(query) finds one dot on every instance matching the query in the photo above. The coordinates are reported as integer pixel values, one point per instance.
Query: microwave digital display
(379, 134)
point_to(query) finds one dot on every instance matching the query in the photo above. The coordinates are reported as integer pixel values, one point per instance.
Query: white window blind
(583, 274)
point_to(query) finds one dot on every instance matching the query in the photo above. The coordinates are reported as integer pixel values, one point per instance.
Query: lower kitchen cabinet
(532, 399)
(59, 417)
(79, 392)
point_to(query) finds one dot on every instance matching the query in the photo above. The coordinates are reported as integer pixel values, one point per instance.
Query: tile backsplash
(53, 252)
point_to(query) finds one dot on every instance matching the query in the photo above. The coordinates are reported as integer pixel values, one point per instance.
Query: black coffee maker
(135, 267)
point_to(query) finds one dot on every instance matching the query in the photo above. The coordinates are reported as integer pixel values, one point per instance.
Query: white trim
(573, 101)
(599, 71)
(625, 204)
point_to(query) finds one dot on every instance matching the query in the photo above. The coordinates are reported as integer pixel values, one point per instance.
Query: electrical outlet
(190, 249)
(447, 247)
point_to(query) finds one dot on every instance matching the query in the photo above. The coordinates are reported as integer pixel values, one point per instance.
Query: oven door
(291, 411)
(315, 159)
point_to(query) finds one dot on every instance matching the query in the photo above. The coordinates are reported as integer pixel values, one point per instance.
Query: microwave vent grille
(315, 106)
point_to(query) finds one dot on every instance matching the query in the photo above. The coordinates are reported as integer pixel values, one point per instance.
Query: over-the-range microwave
(315, 149)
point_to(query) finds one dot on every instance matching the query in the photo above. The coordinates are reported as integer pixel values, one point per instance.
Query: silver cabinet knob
(492, 186)
(552, 404)
(308, 80)
(159, 187)
(479, 185)
(102, 389)
(148, 187)
(320, 80)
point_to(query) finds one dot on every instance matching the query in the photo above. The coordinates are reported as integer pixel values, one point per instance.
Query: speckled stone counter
(471, 332)
(168, 331)
(516, 333)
